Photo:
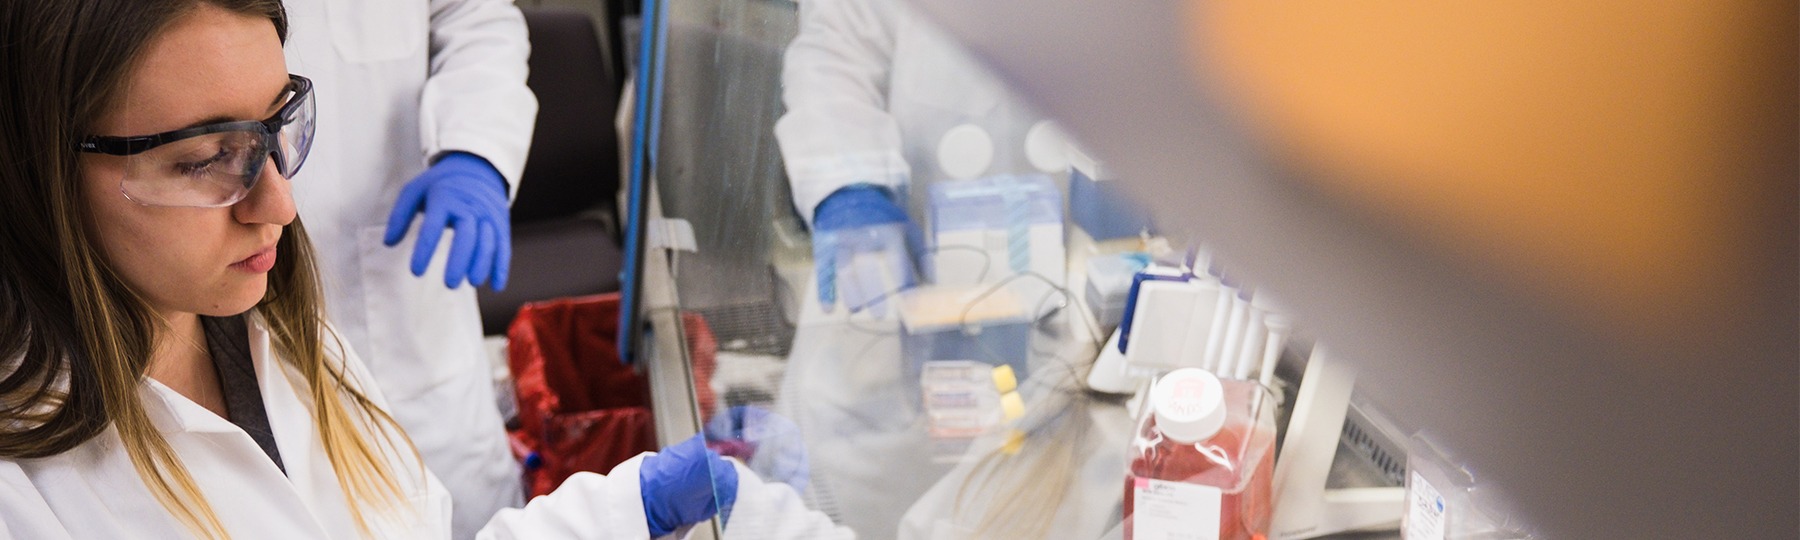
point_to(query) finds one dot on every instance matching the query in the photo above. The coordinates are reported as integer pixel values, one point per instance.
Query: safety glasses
(214, 165)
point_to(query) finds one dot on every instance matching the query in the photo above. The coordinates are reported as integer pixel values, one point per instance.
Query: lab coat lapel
(289, 407)
(224, 460)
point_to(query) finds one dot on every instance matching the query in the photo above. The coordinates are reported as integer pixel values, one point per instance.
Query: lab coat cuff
(809, 193)
(626, 500)
(497, 157)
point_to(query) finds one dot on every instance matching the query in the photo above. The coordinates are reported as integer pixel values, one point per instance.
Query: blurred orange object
(1601, 154)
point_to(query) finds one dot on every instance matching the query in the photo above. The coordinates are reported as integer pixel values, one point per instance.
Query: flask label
(1164, 510)
(1424, 511)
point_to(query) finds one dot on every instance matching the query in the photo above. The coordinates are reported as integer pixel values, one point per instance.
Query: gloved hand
(685, 484)
(863, 246)
(768, 443)
(464, 193)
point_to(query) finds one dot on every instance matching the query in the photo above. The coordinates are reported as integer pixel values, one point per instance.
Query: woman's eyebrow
(210, 121)
(287, 89)
(273, 105)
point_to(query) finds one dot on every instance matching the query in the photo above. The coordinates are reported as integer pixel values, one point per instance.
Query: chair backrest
(574, 161)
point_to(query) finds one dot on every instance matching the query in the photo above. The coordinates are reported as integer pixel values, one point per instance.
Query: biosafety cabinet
(1496, 271)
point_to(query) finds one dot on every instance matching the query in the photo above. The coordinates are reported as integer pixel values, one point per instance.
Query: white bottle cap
(965, 152)
(1189, 404)
(1046, 147)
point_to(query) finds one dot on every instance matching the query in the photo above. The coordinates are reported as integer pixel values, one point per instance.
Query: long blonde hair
(75, 339)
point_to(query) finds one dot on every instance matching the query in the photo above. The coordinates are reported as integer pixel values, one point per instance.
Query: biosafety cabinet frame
(1592, 427)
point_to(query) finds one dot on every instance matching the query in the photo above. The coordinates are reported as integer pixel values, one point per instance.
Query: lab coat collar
(171, 412)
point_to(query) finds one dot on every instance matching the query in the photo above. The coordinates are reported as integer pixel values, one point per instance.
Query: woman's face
(210, 66)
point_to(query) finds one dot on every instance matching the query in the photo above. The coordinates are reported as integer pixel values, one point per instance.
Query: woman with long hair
(165, 367)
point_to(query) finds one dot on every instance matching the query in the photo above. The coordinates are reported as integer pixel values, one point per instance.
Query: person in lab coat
(880, 103)
(423, 112)
(166, 370)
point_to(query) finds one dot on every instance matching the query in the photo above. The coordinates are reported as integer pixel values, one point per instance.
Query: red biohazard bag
(580, 408)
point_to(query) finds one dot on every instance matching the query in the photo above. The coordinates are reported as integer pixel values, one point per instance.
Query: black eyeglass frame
(270, 129)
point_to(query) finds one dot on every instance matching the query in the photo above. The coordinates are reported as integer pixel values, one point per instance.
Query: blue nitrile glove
(685, 484)
(464, 193)
(863, 244)
(768, 443)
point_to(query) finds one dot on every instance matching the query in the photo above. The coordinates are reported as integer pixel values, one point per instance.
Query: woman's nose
(271, 201)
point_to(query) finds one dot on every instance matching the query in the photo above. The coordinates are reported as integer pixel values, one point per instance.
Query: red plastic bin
(580, 408)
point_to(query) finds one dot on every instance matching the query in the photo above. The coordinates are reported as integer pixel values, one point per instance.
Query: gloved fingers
(465, 235)
(411, 199)
(790, 461)
(689, 448)
(896, 276)
(701, 470)
(483, 269)
(722, 472)
(741, 417)
(865, 280)
(856, 206)
(849, 281)
(718, 471)
(777, 451)
(724, 484)
(788, 466)
(684, 460)
(430, 230)
(827, 278)
(825, 268)
(760, 424)
(502, 252)
(725, 427)
(675, 486)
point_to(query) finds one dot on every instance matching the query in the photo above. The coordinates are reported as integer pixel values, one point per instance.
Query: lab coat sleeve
(773, 511)
(835, 84)
(587, 506)
(475, 99)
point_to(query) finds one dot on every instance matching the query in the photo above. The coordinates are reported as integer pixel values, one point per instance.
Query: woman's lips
(259, 263)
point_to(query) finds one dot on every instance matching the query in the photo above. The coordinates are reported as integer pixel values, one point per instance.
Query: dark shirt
(228, 340)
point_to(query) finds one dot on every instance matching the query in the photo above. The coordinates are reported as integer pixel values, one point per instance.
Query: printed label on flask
(1164, 510)
(1424, 511)
(954, 400)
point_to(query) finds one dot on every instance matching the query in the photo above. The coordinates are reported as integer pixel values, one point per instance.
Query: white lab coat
(399, 82)
(866, 440)
(872, 90)
(94, 492)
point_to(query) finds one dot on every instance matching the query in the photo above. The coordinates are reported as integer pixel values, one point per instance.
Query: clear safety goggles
(214, 165)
